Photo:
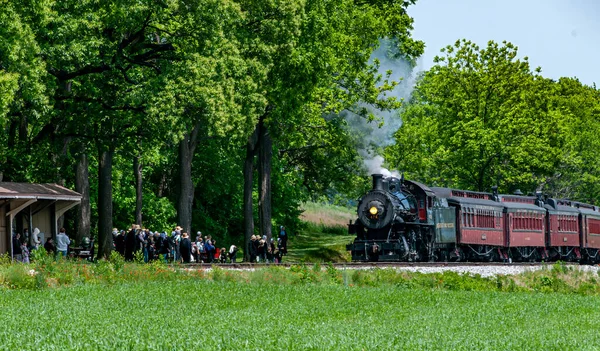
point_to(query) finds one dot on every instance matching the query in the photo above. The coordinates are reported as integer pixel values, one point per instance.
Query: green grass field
(325, 235)
(209, 315)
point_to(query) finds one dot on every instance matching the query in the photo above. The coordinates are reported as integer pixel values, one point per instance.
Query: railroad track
(350, 265)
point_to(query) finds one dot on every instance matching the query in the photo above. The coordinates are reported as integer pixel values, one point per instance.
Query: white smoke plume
(375, 137)
(375, 166)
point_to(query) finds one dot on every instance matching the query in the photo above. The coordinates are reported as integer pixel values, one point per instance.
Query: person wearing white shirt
(62, 242)
(36, 238)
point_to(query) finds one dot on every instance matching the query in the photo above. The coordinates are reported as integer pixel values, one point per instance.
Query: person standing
(232, 253)
(282, 240)
(62, 242)
(49, 246)
(271, 251)
(163, 247)
(185, 248)
(199, 247)
(16, 244)
(130, 241)
(24, 253)
(252, 249)
(120, 243)
(25, 237)
(36, 239)
(209, 248)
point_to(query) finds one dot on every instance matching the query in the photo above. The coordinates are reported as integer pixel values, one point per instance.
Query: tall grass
(47, 273)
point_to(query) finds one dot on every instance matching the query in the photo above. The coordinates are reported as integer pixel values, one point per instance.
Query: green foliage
(577, 175)
(5, 259)
(138, 257)
(483, 117)
(117, 261)
(18, 276)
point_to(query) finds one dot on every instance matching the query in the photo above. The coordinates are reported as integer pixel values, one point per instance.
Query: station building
(25, 205)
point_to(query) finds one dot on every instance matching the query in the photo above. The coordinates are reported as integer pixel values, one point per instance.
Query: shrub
(5, 259)
(117, 260)
(19, 276)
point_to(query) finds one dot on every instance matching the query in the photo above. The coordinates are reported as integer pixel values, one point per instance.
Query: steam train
(402, 220)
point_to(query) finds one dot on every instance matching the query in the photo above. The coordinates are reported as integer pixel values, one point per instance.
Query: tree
(577, 174)
(317, 54)
(211, 91)
(478, 118)
(23, 92)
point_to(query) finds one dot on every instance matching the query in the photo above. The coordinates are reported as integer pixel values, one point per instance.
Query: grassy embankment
(325, 235)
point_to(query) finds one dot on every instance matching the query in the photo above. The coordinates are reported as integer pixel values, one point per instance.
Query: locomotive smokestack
(377, 178)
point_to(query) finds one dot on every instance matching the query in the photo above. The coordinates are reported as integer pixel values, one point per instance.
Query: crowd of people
(176, 247)
(263, 250)
(22, 246)
(179, 247)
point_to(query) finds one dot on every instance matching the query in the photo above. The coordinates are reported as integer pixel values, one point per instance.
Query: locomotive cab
(424, 198)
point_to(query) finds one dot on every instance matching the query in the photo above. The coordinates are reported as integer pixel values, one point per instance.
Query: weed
(117, 260)
(19, 276)
(5, 259)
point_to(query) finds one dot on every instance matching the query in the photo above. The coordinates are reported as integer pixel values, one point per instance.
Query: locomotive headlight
(373, 210)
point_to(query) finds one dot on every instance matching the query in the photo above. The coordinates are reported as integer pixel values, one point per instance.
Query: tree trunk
(82, 186)
(162, 185)
(187, 147)
(264, 159)
(137, 171)
(105, 219)
(186, 188)
(248, 185)
(58, 159)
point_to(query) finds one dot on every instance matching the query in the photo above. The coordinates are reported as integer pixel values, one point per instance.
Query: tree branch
(63, 75)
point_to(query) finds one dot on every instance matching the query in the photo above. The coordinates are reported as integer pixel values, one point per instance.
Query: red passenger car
(479, 223)
(563, 230)
(590, 230)
(525, 227)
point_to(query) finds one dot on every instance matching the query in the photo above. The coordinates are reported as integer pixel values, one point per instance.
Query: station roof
(9, 190)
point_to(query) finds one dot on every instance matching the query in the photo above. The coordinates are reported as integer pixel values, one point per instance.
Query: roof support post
(11, 216)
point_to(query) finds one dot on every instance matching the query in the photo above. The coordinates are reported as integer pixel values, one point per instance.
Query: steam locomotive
(402, 220)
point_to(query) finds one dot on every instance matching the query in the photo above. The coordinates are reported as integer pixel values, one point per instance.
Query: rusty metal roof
(9, 190)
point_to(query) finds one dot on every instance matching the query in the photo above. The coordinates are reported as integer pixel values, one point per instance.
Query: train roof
(475, 198)
(517, 198)
(554, 206)
(457, 193)
(515, 206)
(588, 212)
(477, 203)
(561, 209)
(572, 203)
(427, 190)
(579, 207)
(466, 201)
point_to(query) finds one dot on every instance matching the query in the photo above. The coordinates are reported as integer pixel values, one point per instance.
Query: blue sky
(560, 36)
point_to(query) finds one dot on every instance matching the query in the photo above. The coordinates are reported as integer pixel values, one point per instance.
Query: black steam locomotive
(401, 220)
